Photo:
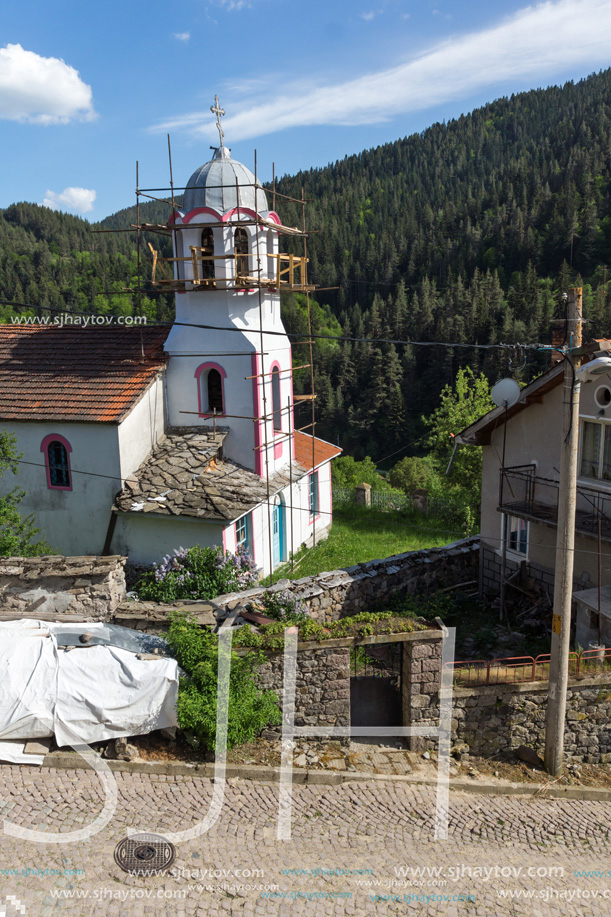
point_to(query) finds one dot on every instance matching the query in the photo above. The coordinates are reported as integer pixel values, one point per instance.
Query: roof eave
(480, 432)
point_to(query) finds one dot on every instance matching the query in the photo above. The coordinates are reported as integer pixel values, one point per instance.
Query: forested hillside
(466, 233)
(54, 260)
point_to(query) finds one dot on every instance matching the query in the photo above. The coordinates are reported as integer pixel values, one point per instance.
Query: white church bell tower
(230, 358)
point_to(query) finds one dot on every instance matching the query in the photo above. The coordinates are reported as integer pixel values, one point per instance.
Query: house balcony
(523, 493)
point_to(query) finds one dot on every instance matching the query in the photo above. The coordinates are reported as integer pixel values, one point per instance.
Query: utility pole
(565, 543)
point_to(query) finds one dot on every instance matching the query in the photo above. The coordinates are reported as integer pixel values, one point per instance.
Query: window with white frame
(595, 450)
(516, 531)
(314, 494)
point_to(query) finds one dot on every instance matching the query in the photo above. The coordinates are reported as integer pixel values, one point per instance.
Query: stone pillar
(420, 499)
(363, 495)
(420, 681)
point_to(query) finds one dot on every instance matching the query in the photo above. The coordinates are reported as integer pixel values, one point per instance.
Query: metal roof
(214, 185)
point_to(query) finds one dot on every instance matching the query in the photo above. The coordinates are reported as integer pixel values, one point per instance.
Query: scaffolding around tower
(242, 270)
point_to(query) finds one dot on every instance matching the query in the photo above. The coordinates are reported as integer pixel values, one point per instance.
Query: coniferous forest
(467, 233)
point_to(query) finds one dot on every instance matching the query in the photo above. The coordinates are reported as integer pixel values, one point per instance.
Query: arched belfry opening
(207, 272)
(241, 252)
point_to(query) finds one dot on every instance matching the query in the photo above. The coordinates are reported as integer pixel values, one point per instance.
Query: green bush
(197, 573)
(281, 606)
(250, 708)
(347, 473)
(413, 473)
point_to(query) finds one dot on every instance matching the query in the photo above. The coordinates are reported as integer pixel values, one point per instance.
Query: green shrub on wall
(250, 708)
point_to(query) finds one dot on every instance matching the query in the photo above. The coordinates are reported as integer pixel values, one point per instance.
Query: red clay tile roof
(323, 451)
(75, 373)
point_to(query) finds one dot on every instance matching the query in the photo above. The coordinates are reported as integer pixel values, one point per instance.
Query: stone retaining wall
(499, 718)
(74, 588)
(340, 593)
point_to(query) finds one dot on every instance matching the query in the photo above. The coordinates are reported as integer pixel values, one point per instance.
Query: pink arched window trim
(198, 372)
(280, 432)
(44, 448)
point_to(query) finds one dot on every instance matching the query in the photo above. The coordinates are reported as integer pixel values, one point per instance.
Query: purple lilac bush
(197, 573)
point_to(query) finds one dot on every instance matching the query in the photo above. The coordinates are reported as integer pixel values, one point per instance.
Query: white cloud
(367, 17)
(182, 36)
(78, 200)
(234, 4)
(41, 90)
(533, 44)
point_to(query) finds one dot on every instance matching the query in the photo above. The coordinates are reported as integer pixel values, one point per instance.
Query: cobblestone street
(343, 838)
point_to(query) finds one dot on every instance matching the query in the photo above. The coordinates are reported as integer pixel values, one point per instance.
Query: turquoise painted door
(277, 533)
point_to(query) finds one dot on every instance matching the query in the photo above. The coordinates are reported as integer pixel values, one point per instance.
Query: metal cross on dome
(219, 112)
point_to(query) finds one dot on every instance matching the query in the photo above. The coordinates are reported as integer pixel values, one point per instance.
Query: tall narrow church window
(56, 451)
(207, 264)
(215, 391)
(210, 392)
(276, 406)
(241, 252)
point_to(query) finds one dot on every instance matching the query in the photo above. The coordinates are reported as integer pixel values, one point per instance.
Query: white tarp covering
(94, 692)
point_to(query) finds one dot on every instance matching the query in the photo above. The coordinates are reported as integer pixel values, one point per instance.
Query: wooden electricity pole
(565, 544)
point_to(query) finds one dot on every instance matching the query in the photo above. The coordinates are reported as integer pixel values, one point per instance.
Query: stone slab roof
(74, 373)
(186, 475)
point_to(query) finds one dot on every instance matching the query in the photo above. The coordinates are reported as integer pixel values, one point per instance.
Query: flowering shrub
(282, 606)
(197, 573)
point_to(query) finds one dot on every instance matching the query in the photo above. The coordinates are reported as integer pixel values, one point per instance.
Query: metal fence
(392, 502)
(521, 669)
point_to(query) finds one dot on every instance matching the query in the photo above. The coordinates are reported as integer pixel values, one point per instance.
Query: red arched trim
(273, 216)
(201, 369)
(239, 210)
(197, 210)
(44, 448)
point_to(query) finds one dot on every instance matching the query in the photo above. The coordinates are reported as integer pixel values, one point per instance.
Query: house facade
(520, 495)
(137, 440)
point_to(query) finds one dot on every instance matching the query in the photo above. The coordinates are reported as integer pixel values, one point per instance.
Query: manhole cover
(144, 854)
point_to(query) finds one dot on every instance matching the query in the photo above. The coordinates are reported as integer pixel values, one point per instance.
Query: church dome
(214, 185)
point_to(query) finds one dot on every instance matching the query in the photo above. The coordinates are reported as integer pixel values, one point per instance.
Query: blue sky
(87, 89)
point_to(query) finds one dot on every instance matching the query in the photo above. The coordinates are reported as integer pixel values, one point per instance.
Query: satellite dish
(505, 393)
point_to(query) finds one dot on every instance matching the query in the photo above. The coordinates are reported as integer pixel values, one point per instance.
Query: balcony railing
(525, 494)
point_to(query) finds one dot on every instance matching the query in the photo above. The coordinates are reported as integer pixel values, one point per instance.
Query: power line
(289, 334)
(305, 509)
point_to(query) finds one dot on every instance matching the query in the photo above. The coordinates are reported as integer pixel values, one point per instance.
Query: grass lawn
(363, 535)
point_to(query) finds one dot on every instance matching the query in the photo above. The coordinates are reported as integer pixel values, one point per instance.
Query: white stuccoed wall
(59, 513)
(107, 452)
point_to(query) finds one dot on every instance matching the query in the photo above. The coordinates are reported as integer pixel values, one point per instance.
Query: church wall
(73, 521)
(142, 429)
(147, 538)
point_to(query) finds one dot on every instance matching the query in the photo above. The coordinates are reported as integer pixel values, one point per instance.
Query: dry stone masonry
(499, 718)
(72, 588)
(340, 593)
(322, 688)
